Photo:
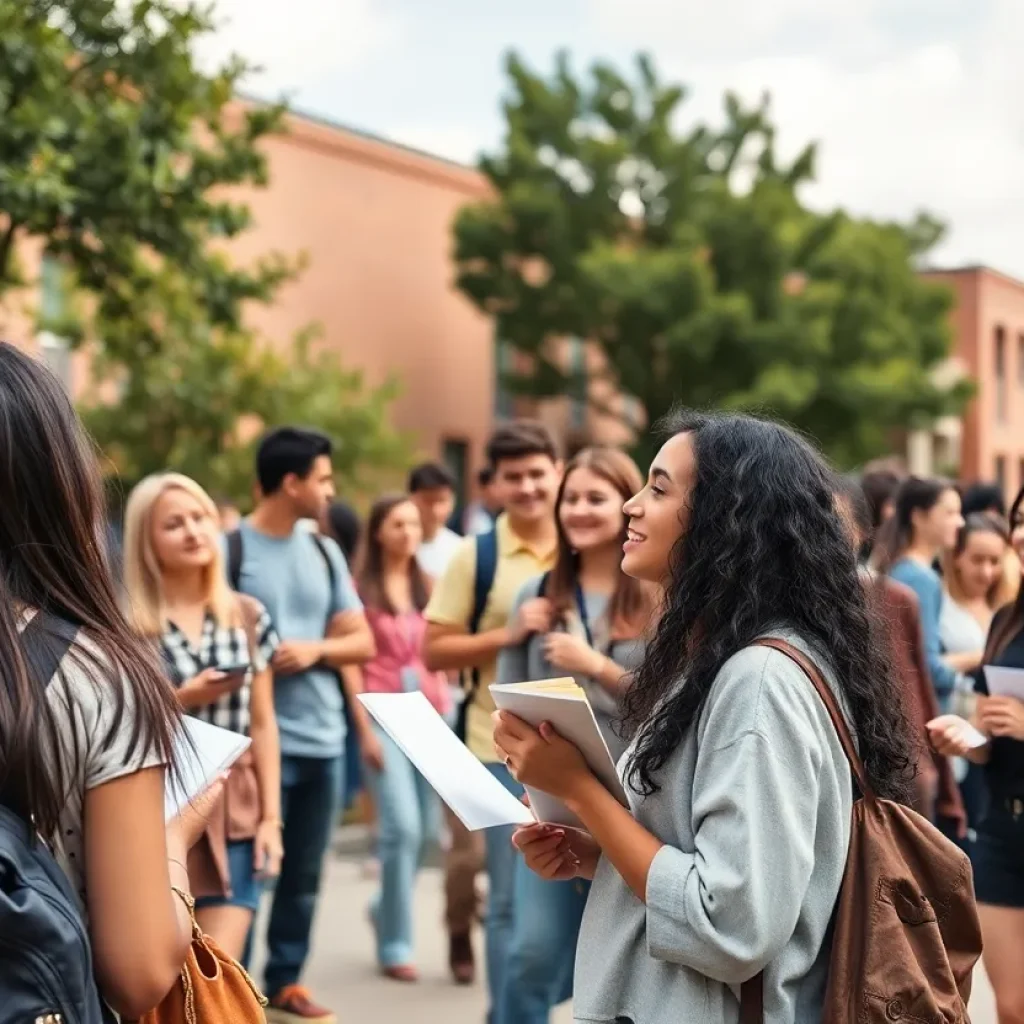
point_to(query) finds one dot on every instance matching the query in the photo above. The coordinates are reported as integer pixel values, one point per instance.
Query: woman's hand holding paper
(539, 757)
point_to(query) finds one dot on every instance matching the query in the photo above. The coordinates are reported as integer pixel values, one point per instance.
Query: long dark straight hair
(1010, 621)
(52, 558)
(631, 605)
(371, 572)
(764, 547)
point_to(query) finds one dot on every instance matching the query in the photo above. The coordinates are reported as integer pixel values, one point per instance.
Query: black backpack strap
(234, 566)
(483, 581)
(332, 576)
(44, 642)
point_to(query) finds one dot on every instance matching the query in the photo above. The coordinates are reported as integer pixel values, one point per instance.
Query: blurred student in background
(923, 527)
(524, 544)
(395, 589)
(432, 489)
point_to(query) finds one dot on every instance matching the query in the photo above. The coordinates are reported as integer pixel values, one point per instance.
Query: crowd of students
(653, 590)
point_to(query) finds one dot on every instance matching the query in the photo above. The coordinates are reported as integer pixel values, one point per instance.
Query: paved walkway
(341, 972)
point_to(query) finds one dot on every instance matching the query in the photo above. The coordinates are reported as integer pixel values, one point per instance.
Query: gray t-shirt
(526, 661)
(84, 712)
(288, 576)
(754, 811)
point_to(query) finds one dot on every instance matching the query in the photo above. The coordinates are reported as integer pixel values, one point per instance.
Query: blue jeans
(542, 951)
(408, 820)
(501, 872)
(311, 792)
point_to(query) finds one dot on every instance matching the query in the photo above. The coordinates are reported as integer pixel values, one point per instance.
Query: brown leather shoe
(294, 1005)
(461, 960)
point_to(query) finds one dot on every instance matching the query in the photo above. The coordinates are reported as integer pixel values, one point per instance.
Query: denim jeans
(311, 793)
(501, 872)
(542, 951)
(408, 820)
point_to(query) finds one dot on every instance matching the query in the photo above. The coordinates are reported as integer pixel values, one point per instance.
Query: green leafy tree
(124, 158)
(689, 262)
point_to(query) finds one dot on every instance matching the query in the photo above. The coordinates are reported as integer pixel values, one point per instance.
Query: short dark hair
(519, 439)
(485, 476)
(982, 497)
(430, 476)
(288, 450)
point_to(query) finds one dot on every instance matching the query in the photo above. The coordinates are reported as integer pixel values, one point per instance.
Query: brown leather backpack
(906, 931)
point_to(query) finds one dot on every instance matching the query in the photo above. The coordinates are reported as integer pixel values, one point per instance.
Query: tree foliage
(689, 261)
(125, 157)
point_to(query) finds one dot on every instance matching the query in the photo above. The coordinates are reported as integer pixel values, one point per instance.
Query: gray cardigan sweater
(754, 811)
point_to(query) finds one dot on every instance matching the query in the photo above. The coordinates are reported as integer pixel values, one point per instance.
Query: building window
(455, 455)
(504, 402)
(578, 384)
(1001, 472)
(1000, 359)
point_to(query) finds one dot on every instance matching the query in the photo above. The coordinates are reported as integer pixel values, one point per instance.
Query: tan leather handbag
(212, 988)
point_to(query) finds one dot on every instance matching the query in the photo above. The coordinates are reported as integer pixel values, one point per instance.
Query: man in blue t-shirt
(305, 585)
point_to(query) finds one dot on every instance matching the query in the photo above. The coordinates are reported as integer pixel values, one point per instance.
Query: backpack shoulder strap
(44, 642)
(234, 544)
(321, 546)
(828, 698)
(483, 577)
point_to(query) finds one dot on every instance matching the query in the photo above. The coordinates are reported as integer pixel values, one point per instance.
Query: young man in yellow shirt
(527, 473)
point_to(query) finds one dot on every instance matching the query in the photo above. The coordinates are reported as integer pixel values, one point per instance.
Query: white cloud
(301, 41)
(913, 122)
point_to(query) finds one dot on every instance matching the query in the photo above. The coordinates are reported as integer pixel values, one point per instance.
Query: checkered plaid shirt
(220, 645)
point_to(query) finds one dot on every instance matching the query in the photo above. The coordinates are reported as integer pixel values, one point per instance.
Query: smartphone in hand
(233, 671)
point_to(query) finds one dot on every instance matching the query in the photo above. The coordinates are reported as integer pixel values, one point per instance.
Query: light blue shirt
(289, 577)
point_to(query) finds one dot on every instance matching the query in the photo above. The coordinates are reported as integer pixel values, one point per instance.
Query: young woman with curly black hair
(729, 858)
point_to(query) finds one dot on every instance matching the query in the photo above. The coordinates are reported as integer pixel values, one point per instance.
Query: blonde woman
(216, 647)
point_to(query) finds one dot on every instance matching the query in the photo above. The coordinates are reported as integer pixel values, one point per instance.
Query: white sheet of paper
(475, 796)
(1005, 682)
(212, 752)
(971, 736)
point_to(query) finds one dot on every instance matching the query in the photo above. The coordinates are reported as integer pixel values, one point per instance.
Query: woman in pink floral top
(395, 590)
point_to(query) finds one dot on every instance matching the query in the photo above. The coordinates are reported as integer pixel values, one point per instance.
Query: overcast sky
(916, 103)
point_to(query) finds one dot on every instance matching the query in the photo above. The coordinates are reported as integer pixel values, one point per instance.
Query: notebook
(563, 704)
(204, 752)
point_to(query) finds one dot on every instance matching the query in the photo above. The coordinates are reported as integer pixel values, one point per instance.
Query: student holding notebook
(728, 861)
(598, 615)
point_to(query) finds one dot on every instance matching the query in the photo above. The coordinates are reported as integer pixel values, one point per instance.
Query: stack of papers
(563, 704)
